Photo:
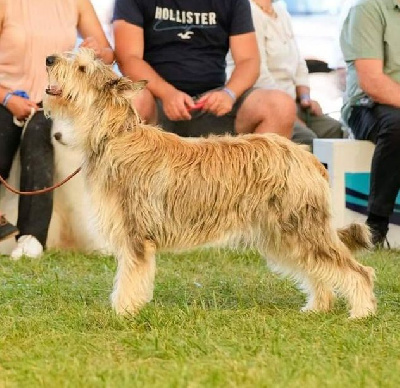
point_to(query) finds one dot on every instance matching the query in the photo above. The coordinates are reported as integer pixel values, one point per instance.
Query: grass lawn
(218, 319)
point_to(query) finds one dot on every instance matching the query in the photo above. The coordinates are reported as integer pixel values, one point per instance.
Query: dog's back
(217, 186)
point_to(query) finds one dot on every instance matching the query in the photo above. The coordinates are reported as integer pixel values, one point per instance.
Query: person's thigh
(388, 123)
(145, 104)
(201, 124)
(266, 111)
(37, 168)
(370, 123)
(36, 141)
(10, 136)
(326, 127)
(302, 134)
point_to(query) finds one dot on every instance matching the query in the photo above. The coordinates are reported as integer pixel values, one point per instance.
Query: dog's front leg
(134, 281)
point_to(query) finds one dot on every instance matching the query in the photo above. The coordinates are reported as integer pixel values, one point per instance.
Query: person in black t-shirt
(180, 46)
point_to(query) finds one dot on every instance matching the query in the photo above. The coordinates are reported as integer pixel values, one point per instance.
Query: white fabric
(336, 61)
(282, 66)
(104, 10)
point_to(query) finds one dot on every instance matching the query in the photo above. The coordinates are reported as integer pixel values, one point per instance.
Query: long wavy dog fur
(154, 191)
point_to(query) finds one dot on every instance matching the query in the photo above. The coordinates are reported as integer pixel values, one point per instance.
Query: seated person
(283, 68)
(370, 46)
(23, 34)
(180, 48)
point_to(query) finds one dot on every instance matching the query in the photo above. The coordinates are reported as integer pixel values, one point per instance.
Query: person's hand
(21, 107)
(315, 108)
(217, 102)
(91, 43)
(177, 104)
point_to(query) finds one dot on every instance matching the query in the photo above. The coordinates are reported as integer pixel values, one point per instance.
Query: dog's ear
(139, 85)
(86, 60)
(124, 87)
(136, 87)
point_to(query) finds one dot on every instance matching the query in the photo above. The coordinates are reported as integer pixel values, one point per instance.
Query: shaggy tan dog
(153, 190)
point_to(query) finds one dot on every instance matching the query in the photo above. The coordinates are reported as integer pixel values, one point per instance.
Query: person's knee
(281, 108)
(386, 136)
(267, 111)
(283, 104)
(337, 131)
(332, 130)
(303, 135)
(145, 105)
(37, 135)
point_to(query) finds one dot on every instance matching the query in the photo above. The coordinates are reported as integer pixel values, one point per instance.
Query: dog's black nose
(58, 136)
(50, 60)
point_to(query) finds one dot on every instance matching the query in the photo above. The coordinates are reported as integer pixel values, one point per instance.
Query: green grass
(218, 319)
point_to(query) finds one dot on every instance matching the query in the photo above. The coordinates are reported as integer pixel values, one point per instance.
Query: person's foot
(27, 246)
(7, 229)
(378, 235)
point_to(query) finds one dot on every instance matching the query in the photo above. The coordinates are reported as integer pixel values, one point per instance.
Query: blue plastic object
(21, 93)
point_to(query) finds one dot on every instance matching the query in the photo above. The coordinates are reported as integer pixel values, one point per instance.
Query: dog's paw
(323, 304)
(125, 309)
(127, 306)
(364, 311)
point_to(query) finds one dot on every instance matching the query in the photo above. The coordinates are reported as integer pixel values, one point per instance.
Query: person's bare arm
(246, 56)
(129, 49)
(374, 82)
(92, 32)
(3, 91)
(18, 106)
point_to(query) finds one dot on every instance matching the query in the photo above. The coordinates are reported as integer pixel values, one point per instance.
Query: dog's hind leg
(333, 264)
(355, 282)
(333, 267)
(326, 265)
(320, 296)
(134, 281)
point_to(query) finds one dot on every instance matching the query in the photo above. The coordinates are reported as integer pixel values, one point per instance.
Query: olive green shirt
(370, 31)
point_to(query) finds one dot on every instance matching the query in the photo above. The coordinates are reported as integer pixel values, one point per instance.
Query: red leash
(42, 191)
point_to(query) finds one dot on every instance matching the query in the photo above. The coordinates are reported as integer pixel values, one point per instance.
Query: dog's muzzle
(53, 91)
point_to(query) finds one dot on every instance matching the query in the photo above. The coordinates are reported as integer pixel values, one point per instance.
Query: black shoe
(7, 230)
(378, 235)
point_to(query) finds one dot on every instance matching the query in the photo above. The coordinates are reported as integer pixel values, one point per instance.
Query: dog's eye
(82, 68)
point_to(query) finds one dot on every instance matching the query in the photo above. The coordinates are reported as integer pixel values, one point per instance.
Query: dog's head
(79, 81)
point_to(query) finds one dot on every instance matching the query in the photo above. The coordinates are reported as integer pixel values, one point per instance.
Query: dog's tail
(355, 236)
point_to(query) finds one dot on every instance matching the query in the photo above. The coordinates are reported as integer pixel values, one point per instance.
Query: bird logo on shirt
(186, 35)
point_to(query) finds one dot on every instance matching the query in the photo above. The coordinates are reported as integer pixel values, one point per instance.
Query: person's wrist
(6, 99)
(107, 55)
(230, 93)
(304, 97)
(166, 91)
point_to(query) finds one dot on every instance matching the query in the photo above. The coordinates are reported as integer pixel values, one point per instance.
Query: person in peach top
(29, 32)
